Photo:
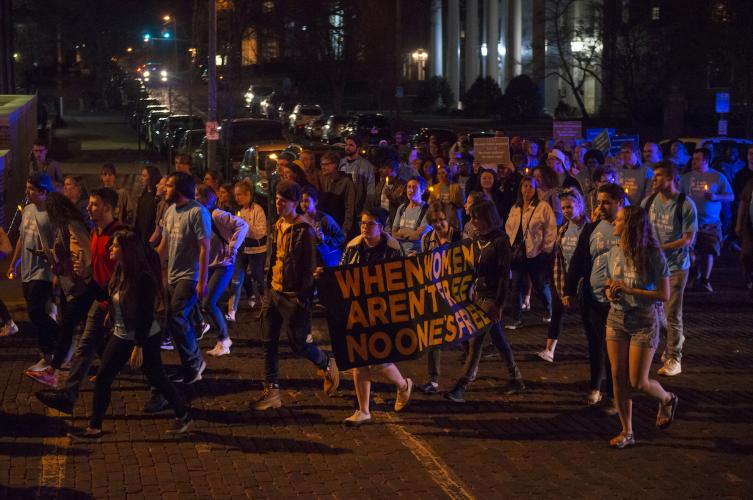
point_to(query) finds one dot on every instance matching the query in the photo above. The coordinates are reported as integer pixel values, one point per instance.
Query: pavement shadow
(265, 445)
(280, 417)
(30, 425)
(42, 492)
(37, 450)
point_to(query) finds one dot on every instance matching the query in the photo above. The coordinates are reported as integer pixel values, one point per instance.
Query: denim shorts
(639, 327)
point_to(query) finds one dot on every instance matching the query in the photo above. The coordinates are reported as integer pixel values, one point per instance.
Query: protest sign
(395, 310)
(568, 130)
(491, 150)
(601, 142)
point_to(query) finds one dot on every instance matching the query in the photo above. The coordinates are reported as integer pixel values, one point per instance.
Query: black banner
(396, 310)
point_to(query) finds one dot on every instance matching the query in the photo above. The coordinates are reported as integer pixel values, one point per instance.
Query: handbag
(519, 255)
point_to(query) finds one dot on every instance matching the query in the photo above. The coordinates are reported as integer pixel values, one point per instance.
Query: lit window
(655, 13)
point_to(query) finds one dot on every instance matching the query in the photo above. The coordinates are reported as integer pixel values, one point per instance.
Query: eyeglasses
(39, 150)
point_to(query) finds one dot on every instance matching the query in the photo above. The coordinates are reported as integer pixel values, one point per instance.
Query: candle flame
(387, 180)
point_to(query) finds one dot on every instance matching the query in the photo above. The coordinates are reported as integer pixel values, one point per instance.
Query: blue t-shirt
(667, 228)
(184, 227)
(601, 241)
(35, 228)
(694, 184)
(569, 241)
(636, 182)
(619, 269)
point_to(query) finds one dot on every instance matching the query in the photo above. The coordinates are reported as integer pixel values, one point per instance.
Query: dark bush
(434, 95)
(483, 99)
(522, 99)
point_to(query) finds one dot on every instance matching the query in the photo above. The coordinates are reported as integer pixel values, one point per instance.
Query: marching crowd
(617, 237)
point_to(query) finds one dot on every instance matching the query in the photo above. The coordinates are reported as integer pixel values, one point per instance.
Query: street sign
(722, 103)
(399, 92)
(601, 142)
(491, 150)
(567, 130)
(212, 131)
(722, 128)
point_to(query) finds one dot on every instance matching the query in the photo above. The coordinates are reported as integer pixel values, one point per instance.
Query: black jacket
(492, 266)
(137, 307)
(357, 252)
(299, 261)
(581, 263)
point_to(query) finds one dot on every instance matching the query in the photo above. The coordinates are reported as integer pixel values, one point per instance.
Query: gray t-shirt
(409, 220)
(636, 182)
(35, 228)
(184, 227)
(667, 228)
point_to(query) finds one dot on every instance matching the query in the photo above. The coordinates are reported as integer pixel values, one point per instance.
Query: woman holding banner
(372, 246)
(492, 255)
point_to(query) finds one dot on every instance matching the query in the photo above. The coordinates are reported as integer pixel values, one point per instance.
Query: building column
(538, 44)
(435, 51)
(514, 38)
(472, 52)
(492, 39)
(453, 49)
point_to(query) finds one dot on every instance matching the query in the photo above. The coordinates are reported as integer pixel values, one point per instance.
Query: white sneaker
(222, 348)
(39, 366)
(54, 313)
(8, 329)
(671, 368)
(230, 316)
(357, 419)
(252, 302)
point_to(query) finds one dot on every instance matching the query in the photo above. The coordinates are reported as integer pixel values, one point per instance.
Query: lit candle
(431, 188)
(20, 208)
(627, 190)
(706, 188)
(527, 170)
(387, 181)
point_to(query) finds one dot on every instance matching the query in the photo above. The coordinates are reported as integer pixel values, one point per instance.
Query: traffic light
(147, 37)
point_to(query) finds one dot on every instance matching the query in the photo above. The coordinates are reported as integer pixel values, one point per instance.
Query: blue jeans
(181, 299)
(253, 265)
(219, 277)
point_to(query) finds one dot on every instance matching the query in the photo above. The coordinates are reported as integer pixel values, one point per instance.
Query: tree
(576, 47)
(522, 99)
(433, 95)
(483, 98)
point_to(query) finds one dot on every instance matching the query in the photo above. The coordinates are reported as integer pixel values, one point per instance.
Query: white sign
(212, 131)
(491, 150)
(722, 129)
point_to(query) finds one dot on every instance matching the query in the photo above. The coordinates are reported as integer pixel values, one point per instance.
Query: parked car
(236, 135)
(314, 128)
(302, 115)
(254, 96)
(332, 131)
(370, 128)
(190, 141)
(270, 104)
(443, 135)
(152, 124)
(174, 124)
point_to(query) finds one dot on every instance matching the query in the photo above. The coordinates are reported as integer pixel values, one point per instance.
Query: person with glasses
(39, 163)
(442, 233)
(492, 254)
(574, 212)
(371, 246)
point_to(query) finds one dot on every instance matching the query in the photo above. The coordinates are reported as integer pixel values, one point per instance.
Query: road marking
(440, 472)
(52, 476)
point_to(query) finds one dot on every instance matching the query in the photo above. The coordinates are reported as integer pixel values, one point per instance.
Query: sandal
(622, 440)
(660, 416)
(546, 356)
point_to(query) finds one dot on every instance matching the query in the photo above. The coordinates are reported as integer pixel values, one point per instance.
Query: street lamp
(420, 56)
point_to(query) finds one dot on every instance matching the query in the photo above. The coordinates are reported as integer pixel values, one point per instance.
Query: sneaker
(514, 325)
(56, 400)
(221, 348)
(526, 305)
(8, 329)
(429, 388)
(547, 319)
(167, 344)
(86, 436)
(197, 376)
(546, 356)
(514, 386)
(270, 398)
(357, 419)
(331, 377)
(47, 377)
(671, 368)
(403, 397)
(180, 425)
(204, 327)
(594, 398)
(156, 404)
(230, 316)
(309, 339)
(39, 366)
(456, 395)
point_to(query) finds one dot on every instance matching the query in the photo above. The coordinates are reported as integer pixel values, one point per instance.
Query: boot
(457, 394)
(270, 398)
(515, 384)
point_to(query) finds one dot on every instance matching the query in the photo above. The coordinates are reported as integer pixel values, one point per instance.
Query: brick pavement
(543, 443)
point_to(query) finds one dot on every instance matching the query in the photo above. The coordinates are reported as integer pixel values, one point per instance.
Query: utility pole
(7, 79)
(212, 94)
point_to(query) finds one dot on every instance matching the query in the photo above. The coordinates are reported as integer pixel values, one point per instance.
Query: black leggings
(4, 313)
(116, 355)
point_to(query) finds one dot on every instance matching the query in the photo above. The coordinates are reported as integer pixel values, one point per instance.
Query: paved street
(543, 443)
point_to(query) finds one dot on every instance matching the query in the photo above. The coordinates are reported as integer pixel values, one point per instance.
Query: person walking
(374, 245)
(133, 292)
(291, 263)
(492, 254)
(637, 279)
(338, 194)
(329, 237)
(228, 233)
(145, 218)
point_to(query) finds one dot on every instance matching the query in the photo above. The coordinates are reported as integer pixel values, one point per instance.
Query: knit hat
(289, 190)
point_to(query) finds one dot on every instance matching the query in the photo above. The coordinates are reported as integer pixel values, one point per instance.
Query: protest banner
(491, 150)
(567, 130)
(602, 142)
(396, 310)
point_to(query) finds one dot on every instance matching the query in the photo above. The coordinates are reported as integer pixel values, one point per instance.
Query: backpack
(678, 207)
(421, 213)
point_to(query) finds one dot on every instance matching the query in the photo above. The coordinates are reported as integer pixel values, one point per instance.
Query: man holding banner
(371, 247)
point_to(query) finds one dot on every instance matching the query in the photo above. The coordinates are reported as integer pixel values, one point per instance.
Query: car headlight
(147, 73)
(163, 73)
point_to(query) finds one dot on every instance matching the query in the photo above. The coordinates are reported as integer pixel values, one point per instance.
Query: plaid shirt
(559, 273)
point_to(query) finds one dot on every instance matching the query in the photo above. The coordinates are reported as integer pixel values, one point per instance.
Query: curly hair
(637, 239)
